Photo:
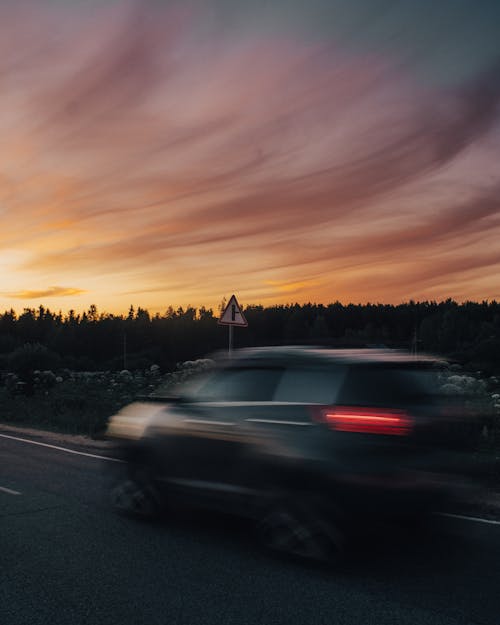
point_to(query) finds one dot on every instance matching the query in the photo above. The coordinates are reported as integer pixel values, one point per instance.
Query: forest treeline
(39, 338)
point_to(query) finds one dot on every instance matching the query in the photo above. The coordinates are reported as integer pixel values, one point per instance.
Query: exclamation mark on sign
(233, 312)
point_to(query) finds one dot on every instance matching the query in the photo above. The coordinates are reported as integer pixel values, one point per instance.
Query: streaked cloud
(51, 291)
(151, 153)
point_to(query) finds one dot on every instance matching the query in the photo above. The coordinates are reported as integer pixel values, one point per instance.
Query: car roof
(294, 354)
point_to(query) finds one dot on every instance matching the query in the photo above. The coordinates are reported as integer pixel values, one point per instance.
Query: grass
(76, 406)
(82, 403)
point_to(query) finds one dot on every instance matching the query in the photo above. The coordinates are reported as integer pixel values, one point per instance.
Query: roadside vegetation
(76, 402)
(71, 372)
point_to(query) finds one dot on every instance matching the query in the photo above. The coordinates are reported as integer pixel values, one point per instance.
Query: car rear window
(388, 386)
(309, 385)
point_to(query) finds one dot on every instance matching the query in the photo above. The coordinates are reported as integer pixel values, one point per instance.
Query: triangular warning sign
(233, 315)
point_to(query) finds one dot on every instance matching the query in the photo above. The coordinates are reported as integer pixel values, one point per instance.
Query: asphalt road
(67, 558)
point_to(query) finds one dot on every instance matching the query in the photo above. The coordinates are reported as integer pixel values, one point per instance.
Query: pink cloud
(162, 148)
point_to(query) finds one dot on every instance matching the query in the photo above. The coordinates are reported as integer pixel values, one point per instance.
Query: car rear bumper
(404, 493)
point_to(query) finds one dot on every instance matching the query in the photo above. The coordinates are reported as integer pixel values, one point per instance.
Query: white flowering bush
(82, 401)
(479, 394)
(450, 389)
(184, 371)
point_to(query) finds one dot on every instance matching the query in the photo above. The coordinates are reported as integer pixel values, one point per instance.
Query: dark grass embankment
(77, 405)
(82, 403)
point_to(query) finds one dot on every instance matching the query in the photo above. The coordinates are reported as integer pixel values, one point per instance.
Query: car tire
(135, 495)
(288, 529)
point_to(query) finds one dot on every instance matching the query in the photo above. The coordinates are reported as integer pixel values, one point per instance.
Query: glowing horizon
(156, 156)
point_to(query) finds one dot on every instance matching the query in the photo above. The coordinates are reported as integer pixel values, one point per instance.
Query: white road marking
(9, 491)
(65, 449)
(475, 519)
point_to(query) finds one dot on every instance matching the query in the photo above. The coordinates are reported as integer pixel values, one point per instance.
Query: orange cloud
(291, 287)
(51, 291)
(150, 159)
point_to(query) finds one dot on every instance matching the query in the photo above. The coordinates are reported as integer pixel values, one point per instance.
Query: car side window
(314, 385)
(240, 384)
(386, 386)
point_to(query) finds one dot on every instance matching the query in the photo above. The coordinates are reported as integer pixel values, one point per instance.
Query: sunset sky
(162, 153)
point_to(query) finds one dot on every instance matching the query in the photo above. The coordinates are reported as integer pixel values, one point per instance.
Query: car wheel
(134, 497)
(289, 530)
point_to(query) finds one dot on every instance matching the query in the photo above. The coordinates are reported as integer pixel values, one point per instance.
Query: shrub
(30, 357)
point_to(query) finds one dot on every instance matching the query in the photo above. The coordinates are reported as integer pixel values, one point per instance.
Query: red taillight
(367, 420)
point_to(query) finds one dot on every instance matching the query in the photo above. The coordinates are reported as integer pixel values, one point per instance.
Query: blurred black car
(306, 441)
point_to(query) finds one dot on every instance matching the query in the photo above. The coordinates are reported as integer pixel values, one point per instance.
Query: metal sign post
(232, 316)
(230, 348)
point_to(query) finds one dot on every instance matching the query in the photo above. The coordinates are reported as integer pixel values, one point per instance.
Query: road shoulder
(57, 438)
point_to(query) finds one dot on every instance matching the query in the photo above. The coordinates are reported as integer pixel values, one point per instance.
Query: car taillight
(366, 420)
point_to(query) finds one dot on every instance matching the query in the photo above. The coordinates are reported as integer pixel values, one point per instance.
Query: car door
(285, 437)
(211, 445)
